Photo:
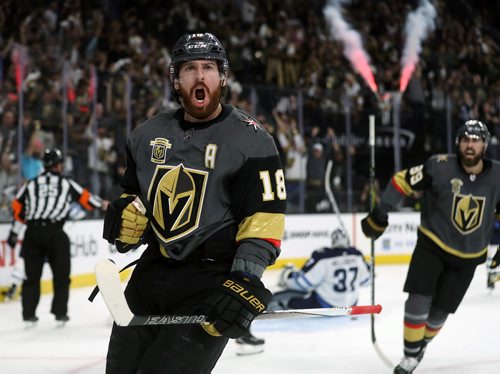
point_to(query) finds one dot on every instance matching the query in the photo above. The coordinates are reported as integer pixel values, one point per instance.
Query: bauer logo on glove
(233, 305)
(243, 292)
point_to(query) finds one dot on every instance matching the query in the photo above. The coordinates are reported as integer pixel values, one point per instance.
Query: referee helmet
(52, 157)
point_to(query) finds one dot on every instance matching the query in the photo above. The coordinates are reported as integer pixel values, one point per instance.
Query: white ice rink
(468, 343)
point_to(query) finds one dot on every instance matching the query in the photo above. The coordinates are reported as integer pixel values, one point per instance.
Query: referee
(43, 204)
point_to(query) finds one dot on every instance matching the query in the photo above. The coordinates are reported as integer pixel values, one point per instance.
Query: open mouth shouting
(201, 101)
(199, 95)
(470, 152)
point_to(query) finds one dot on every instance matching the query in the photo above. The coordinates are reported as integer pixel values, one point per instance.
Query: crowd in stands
(95, 69)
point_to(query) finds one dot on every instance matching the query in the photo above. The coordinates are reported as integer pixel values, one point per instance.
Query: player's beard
(212, 100)
(470, 162)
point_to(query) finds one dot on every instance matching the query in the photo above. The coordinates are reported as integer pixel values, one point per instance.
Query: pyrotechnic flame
(418, 25)
(353, 46)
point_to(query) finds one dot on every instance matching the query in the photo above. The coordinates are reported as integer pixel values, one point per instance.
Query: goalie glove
(374, 224)
(125, 222)
(285, 274)
(495, 261)
(236, 301)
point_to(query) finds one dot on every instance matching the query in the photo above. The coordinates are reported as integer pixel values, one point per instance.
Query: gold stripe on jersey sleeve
(447, 248)
(262, 226)
(401, 184)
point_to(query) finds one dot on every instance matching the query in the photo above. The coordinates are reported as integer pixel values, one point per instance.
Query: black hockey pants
(161, 286)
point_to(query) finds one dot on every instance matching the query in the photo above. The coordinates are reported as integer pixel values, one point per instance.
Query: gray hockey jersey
(202, 177)
(458, 209)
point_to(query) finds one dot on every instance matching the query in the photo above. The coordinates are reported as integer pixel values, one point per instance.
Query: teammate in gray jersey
(210, 188)
(461, 197)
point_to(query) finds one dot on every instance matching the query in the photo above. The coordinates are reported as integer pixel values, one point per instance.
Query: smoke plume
(419, 24)
(353, 46)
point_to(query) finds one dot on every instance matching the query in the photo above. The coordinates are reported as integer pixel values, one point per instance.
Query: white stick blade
(108, 280)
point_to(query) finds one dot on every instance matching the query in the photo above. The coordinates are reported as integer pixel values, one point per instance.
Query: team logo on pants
(177, 194)
(467, 212)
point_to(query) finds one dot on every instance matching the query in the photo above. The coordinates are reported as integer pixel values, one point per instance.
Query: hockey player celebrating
(210, 180)
(331, 277)
(461, 195)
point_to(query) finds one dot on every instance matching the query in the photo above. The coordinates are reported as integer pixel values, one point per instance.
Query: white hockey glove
(285, 274)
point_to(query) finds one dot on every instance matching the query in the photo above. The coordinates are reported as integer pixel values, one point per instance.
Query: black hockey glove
(12, 239)
(125, 222)
(374, 224)
(495, 261)
(234, 304)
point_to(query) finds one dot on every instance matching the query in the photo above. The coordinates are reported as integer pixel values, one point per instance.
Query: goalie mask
(340, 239)
(192, 47)
(473, 129)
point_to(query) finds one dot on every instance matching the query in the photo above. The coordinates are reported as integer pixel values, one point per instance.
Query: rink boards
(303, 234)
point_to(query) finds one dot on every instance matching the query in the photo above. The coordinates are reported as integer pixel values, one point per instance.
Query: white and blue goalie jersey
(334, 274)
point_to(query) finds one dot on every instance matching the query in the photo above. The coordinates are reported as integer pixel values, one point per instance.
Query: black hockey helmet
(190, 47)
(473, 129)
(340, 238)
(51, 158)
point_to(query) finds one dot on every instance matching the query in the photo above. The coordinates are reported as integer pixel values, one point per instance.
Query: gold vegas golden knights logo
(467, 212)
(177, 194)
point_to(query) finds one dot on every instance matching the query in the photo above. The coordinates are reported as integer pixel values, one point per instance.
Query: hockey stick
(108, 280)
(373, 192)
(329, 192)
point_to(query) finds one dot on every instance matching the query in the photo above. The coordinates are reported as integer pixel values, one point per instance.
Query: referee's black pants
(46, 242)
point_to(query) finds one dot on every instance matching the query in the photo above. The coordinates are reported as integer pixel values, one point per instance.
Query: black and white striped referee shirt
(47, 198)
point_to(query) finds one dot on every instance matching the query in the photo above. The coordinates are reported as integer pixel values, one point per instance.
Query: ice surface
(468, 343)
